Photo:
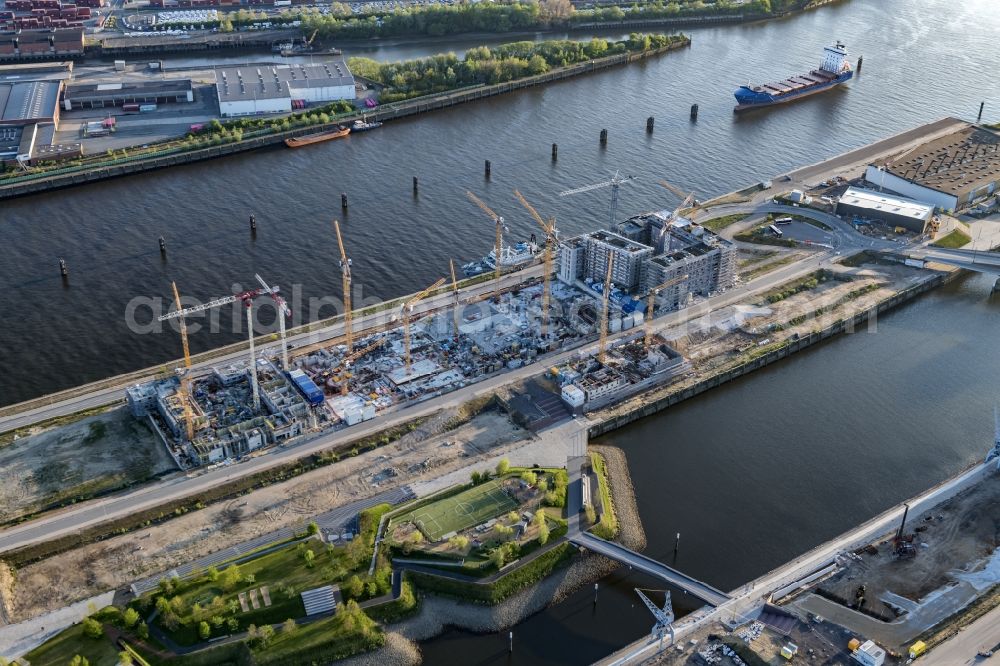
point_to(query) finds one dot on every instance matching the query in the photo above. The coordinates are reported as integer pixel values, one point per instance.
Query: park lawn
(331, 638)
(721, 223)
(458, 512)
(61, 648)
(956, 239)
(278, 570)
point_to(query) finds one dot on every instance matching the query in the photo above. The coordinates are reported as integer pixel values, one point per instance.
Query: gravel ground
(631, 535)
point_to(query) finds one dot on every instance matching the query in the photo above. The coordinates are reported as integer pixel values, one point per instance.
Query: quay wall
(70, 176)
(846, 325)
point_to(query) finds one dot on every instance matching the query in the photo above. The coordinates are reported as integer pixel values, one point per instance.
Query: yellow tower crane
(550, 244)
(454, 289)
(185, 390)
(651, 303)
(498, 245)
(407, 310)
(605, 298)
(344, 368)
(345, 272)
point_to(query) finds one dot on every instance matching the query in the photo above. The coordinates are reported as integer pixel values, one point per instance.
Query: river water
(751, 474)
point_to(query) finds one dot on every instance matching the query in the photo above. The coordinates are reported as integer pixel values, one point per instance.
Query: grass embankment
(956, 239)
(807, 283)
(504, 587)
(768, 267)
(236, 488)
(61, 648)
(484, 65)
(11, 435)
(607, 526)
(720, 223)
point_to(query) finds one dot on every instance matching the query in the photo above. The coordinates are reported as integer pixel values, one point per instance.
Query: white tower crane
(616, 181)
(664, 617)
(247, 298)
(283, 311)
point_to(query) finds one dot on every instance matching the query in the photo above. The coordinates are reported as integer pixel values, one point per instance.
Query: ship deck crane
(605, 303)
(454, 289)
(664, 616)
(651, 304)
(616, 182)
(551, 241)
(407, 310)
(247, 299)
(345, 272)
(283, 311)
(498, 243)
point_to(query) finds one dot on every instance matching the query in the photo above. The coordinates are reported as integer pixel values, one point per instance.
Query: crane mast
(498, 243)
(550, 243)
(605, 298)
(345, 374)
(345, 272)
(454, 288)
(186, 379)
(283, 311)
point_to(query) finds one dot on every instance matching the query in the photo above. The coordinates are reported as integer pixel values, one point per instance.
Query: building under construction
(650, 250)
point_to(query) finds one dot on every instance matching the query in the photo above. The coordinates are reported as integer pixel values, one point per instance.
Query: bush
(92, 628)
(204, 630)
(130, 617)
(503, 466)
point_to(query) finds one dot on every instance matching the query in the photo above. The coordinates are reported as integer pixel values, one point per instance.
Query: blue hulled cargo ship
(835, 70)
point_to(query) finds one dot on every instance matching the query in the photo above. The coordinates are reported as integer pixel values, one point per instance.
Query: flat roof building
(29, 102)
(262, 88)
(100, 95)
(895, 210)
(950, 172)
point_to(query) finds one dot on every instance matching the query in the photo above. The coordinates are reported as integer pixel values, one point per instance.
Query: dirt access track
(96, 454)
(115, 563)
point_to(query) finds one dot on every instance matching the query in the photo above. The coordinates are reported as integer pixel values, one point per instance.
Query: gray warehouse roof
(271, 81)
(166, 88)
(30, 100)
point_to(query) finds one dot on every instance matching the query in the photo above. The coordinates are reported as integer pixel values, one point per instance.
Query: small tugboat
(363, 126)
(299, 141)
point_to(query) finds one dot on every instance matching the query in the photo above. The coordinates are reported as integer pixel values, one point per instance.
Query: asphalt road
(963, 648)
(361, 326)
(79, 516)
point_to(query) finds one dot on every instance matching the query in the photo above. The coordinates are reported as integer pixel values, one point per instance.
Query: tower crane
(616, 181)
(345, 363)
(186, 379)
(651, 304)
(345, 272)
(664, 616)
(605, 296)
(407, 310)
(498, 246)
(550, 244)
(283, 311)
(247, 299)
(454, 289)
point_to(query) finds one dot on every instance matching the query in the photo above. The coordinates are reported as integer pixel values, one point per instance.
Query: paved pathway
(18, 639)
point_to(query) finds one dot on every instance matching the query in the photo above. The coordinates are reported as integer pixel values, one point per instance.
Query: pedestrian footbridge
(648, 565)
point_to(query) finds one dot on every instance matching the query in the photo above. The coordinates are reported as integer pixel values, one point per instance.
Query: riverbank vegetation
(484, 65)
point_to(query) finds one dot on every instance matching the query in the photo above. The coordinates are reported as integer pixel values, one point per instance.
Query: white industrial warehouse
(261, 88)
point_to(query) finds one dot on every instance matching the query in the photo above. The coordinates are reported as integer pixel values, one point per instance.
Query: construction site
(240, 409)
